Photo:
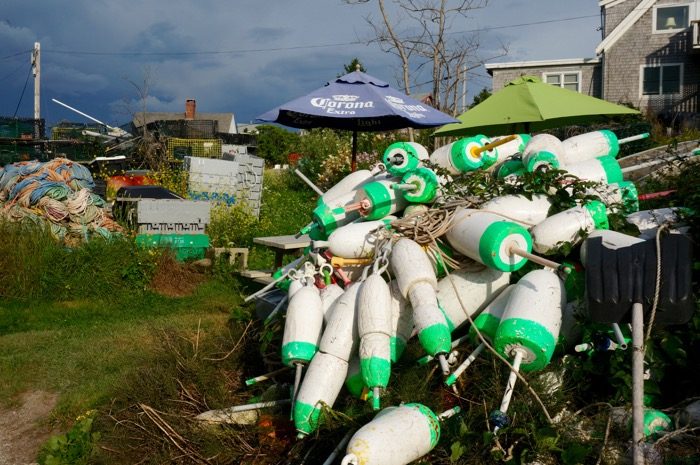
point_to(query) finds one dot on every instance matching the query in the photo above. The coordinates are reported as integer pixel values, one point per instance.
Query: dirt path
(21, 430)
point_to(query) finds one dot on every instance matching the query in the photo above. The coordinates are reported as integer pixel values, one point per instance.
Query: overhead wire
(23, 90)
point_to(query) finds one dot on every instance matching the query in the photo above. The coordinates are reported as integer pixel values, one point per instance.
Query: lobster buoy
(511, 148)
(460, 156)
(396, 436)
(489, 239)
(419, 186)
(375, 330)
(601, 169)
(401, 322)
(611, 240)
(567, 226)
(353, 381)
(520, 209)
(348, 184)
(303, 326)
(329, 295)
(603, 143)
(328, 369)
(542, 151)
(378, 199)
(328, 217)
(511, 167)
(355, 240)
(403, 157)
(416, 280)
(529, 329)
(621, 196)
(486, 323)
(468, 292)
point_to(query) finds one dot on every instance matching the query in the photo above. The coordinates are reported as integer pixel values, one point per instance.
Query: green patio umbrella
(529, 105)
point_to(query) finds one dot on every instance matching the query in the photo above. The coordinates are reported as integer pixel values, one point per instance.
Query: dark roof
(224, 119)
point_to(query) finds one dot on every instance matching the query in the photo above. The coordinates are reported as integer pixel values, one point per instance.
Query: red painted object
(130, 178)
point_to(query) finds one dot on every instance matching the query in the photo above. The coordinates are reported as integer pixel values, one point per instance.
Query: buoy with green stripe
(417, 282)
(374, 325)
(512, 167)
(460, 156)
(402, 157)
(603, 143)
(529, 329)
(328, 369)
(377, 199)
(569, 226)
(509, 149)
(618, 197)
(419, 186)
(401, 322)
(486, 323)
(329, 217)
(349, 183)
(302, 330)
(526, 211)
(396, 436)
(489, 239)
(466, 292)
(542, 151)
(602, 169)
(354, 240)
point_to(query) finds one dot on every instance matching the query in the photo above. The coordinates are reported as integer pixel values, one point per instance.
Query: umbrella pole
(353, 162)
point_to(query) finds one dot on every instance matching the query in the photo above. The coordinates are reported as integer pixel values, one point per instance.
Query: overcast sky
(242, 56)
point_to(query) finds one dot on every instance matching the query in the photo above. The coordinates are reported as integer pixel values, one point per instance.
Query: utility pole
(464, 88)
(36, 70)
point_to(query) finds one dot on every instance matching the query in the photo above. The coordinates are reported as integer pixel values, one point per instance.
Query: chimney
(190, 108)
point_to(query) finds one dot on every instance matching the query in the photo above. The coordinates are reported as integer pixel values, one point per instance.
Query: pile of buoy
(57, 193)
(396, 256)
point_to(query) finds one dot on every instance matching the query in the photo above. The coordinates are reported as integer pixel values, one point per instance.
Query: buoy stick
(352, 207)
(340, 261)
(405, 186)
(655, 195)
(641, 136)
(264, 289)
(265, 377)
(341, 445)
(429, 358)
(618, 336)
(275, 310)
(449, 413)
(637, 383)
(220, 415)
(375, 398)
(297, 382)
(308, 182)
(510, 386)
(492, 145)
(464, 365)
(443, 364)
(515, 250)
(657, 162)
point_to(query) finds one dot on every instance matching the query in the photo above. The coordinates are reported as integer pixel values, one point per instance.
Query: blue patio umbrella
(356, 102)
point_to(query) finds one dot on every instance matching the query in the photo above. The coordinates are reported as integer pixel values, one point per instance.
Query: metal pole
(343, 442)
(308, 182)
(637, 383)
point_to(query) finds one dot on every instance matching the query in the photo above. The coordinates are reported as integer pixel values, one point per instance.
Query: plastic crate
(184, 246)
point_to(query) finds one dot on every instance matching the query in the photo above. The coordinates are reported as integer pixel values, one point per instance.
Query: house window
(661, 80)
(569, 81)
(672, 18)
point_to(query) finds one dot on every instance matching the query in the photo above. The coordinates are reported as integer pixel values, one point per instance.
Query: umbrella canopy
(528, 104)
(356, 102)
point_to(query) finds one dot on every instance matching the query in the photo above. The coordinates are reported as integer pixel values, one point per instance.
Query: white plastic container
(487, 238)
(593, 144)
(568, 226)
(458, 157)
(519, 209)
(396, 436)
(475, 288)
(611, 239)
(602, 169)
(303, 326)
(401, 322)
(382, 198)
(402, 157)
(355, 240)
(532, 320)
(542, 150)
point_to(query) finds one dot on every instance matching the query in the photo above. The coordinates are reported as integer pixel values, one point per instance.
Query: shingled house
(649, 56)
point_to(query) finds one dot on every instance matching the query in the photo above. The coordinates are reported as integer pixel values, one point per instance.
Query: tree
(275, 143)
(480, 97)
(354, 65)
(420, 33)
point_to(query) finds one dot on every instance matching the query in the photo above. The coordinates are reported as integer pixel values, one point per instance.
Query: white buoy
(603, 143)
(487, 324)
(401, 321)
(542, 150)
(396, 436)
(329, 217)
(475, 288)
(355, 240)
(648, 221)
(529, 329)
(611, 240)
(511, 148)
(375, 330)
(329, 295)
(603, 169)
(489, 239)
(459, 156)
(621, 196)
(568, 226)
(403, 157)
(328, 369)
(348, 184)
(416, 280)
(377, 199)
(520, 209)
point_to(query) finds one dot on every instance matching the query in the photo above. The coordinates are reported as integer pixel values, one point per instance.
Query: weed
(73, 447)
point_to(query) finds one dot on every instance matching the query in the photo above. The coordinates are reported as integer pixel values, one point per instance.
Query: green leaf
(457, 450)
(575, 454)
